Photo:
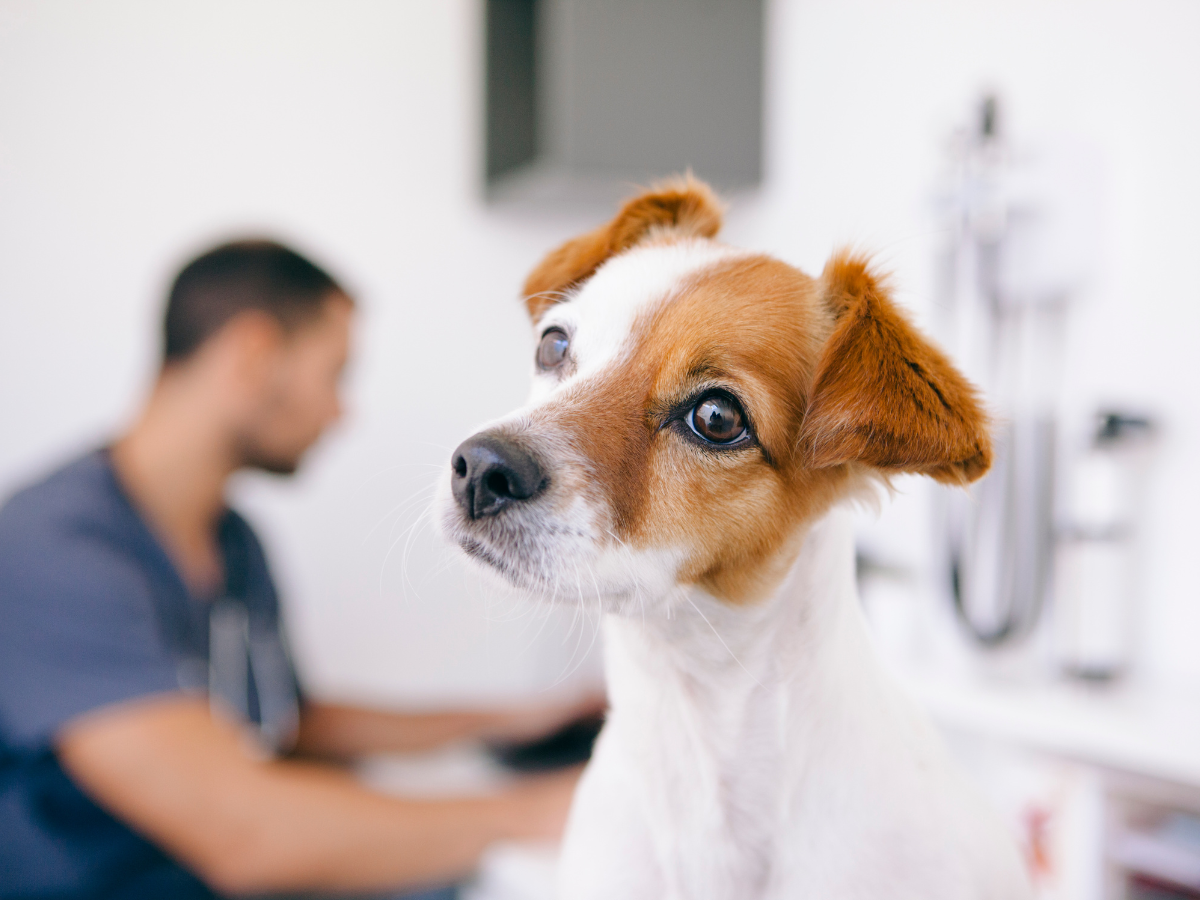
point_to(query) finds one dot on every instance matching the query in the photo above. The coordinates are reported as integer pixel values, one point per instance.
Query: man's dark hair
(256, 274)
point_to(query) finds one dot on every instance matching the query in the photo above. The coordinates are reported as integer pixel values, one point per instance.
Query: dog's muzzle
(490, 472)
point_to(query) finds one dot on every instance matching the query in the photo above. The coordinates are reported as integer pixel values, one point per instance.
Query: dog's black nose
(491, 472)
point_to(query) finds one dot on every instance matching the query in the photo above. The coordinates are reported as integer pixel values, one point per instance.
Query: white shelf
(1154, 734)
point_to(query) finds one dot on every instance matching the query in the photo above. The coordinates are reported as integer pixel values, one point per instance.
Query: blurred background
(1026, 170)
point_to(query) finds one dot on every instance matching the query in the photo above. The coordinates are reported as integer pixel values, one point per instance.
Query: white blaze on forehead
(600, 317)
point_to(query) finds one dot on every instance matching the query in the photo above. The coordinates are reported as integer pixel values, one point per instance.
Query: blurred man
(147, 700)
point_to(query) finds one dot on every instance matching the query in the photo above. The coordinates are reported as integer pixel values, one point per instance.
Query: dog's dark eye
(718, 419)
(553, 348)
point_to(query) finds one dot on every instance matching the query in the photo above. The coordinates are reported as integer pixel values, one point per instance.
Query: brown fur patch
(885, 396)
(755, 327)
(683, 207)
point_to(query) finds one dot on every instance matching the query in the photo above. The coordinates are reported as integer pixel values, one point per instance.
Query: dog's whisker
(424, 519)
(634, 581)
(399, 509)
(728, 649)
(545, 615)
(572, 665)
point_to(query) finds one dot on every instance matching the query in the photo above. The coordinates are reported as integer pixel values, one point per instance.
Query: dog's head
(693, 407)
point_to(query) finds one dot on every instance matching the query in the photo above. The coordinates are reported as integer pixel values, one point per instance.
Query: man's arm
(186, 780)
(337, 730)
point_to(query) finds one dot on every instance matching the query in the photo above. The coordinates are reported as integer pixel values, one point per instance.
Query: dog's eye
(553, 348)
(718, 419)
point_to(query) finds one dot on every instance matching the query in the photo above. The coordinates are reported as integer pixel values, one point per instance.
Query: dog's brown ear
(883, 395)
(684, 206)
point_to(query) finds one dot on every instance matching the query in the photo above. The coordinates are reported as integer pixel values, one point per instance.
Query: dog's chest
(710, 770)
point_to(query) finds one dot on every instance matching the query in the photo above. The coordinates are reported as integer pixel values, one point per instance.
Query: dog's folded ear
(883, 395)
(683, 206)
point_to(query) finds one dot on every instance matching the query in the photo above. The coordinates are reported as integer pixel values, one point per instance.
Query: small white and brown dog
(697, 416)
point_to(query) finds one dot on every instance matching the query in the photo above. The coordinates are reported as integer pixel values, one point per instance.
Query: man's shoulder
(70, 526)
(83, 626)
(73, 494)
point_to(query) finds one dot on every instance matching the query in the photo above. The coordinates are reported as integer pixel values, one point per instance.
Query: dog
(700, 416)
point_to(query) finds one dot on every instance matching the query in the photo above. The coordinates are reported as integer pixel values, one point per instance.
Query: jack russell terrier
(697, 417)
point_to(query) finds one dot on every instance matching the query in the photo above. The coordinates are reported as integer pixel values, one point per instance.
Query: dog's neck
(729, 709)
(728, 654)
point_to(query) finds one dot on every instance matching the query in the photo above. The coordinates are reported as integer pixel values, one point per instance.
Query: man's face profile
(297, 392)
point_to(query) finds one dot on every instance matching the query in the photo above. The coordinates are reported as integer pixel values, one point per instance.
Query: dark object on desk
(1142, 888)
(569, 746)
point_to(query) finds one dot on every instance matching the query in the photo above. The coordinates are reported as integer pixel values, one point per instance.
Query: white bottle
(1094, 560)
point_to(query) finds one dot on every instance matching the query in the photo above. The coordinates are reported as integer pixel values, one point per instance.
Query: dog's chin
(514, 573)
(494, 563)
(484, 554)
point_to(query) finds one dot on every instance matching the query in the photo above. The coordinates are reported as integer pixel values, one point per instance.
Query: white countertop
(1154, 733)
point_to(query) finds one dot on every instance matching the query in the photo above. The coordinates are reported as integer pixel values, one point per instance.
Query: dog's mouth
(477, 550)
(523, 554)
(497, 546)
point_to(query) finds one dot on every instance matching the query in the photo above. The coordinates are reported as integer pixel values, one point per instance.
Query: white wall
(133, 133)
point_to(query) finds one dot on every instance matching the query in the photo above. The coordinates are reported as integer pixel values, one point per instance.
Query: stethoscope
(244, 655)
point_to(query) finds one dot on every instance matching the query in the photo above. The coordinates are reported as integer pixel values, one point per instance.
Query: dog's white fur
(763, 753)
(751, 751)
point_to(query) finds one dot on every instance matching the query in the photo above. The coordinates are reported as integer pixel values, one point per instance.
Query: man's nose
(491, 472)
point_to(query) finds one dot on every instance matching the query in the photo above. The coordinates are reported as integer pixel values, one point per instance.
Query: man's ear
(883, 395)
(682, 206)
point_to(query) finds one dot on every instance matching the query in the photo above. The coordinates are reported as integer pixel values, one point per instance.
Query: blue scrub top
(93, 613)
